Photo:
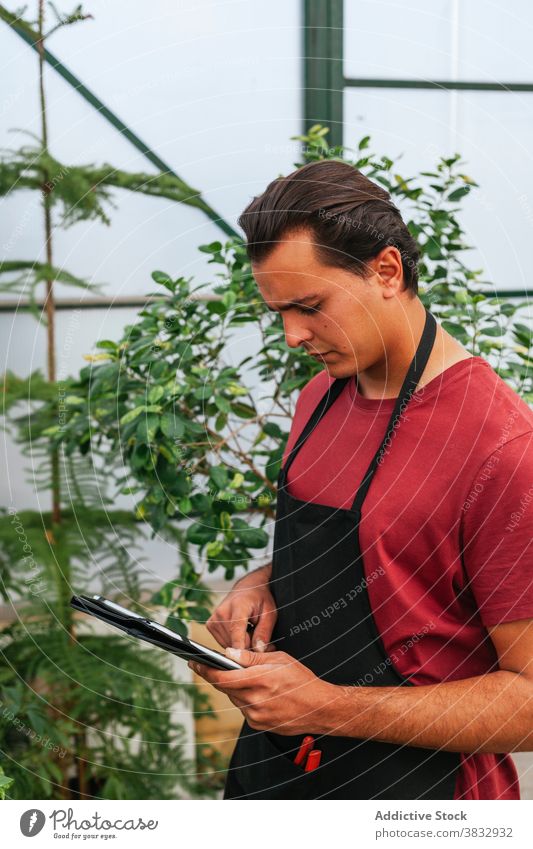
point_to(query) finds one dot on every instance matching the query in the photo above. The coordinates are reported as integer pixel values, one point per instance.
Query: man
(394, 625)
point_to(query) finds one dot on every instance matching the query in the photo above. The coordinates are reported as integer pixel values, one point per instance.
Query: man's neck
(384, 379)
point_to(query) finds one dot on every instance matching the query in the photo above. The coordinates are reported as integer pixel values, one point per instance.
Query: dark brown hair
(351, 218)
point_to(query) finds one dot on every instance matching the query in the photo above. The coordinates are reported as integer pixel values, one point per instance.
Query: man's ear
(387, 266)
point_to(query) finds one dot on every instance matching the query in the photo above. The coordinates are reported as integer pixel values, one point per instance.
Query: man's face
(342, 321)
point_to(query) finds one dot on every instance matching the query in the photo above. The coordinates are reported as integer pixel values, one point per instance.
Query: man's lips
(321, 354)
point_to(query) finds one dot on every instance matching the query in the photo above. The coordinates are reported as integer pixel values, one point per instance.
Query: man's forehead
(282, 304)
(294, 252)
(282, 288)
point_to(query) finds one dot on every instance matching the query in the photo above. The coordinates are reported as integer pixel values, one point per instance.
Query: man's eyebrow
(293, 303)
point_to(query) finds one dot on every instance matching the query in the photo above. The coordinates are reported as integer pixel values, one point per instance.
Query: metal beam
(323, 88)
(445, 85)
(139, 301)
(120, 302)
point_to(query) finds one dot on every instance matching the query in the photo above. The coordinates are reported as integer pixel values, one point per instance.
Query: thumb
(248, 658)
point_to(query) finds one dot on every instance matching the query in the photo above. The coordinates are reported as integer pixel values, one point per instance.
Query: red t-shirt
(447, 523)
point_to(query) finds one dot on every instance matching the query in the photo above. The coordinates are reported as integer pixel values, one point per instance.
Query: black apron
(326, 622)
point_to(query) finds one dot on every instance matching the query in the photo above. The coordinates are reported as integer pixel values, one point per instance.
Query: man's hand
(486, 713)
(275, 692)
(250, 600)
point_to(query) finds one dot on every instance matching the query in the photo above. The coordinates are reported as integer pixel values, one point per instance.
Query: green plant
(59, 681)
(104, 704)
(5, 783)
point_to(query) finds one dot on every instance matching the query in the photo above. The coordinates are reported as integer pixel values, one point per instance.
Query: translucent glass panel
(475, 40)
(412, 123)
(494, 40)
(472, 40)
(397, 38)
(495, 136)
(493, 132)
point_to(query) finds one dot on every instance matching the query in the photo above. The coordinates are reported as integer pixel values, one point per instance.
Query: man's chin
(338, 370)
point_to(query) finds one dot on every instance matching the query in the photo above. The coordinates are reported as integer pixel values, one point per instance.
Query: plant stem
(46, 188)
(49, 300)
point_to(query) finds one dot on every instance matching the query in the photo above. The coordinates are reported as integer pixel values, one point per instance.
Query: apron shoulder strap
(410, 383)
(327, 400)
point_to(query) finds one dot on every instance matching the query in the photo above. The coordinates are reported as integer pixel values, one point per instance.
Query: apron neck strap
(320, 410)
(410, 383)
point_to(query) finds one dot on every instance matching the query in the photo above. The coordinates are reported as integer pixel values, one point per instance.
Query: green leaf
(163, 279)
(493, 331)
(221, 421)
(139, 457)
(254, 538)
(213, 549)
(272, 429)
(147, 428)
(244, 411)
(238, 480)
(51, 431)
(200, 534)
(229, 299)
(172, 426)
(132, 414)
(249, 536)
(456, 330)
(164, 595)
(168, 455)
(177, 625)
(223, 404)
(5, 783)
(433, 249)
(459, 194)
(219, 476)
(225, 520)
(212, 248)
(155, 394)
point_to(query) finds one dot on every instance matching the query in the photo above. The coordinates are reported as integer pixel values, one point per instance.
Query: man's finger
(240, 638)
(232, 680)
(252, 658)
(235, 679)
(216, 629)
(263, 631)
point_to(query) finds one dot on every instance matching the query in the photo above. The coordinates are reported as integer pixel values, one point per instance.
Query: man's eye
(308, 310)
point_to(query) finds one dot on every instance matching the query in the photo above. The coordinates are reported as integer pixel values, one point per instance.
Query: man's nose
(296, 333)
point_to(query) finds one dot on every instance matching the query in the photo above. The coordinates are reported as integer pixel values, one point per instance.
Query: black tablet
(151, 632)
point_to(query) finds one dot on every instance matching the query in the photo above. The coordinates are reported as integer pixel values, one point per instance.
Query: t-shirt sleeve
(497, 533)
